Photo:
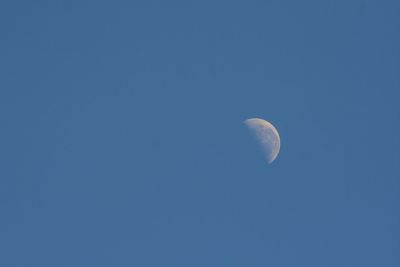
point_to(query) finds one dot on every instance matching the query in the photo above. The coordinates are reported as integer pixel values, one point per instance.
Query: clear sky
(122, 140)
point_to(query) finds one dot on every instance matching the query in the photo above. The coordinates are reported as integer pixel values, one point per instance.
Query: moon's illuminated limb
(267, 135)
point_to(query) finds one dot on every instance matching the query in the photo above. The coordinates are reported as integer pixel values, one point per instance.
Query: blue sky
(122, 140)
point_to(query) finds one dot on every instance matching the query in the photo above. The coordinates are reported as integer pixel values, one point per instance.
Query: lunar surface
(267, 136)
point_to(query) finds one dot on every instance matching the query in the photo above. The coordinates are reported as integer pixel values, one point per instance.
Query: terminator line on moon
(267, 135)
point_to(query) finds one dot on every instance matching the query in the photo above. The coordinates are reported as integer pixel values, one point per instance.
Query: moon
(267, 136)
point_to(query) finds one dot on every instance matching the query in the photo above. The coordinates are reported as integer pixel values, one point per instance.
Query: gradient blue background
(122, 143)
